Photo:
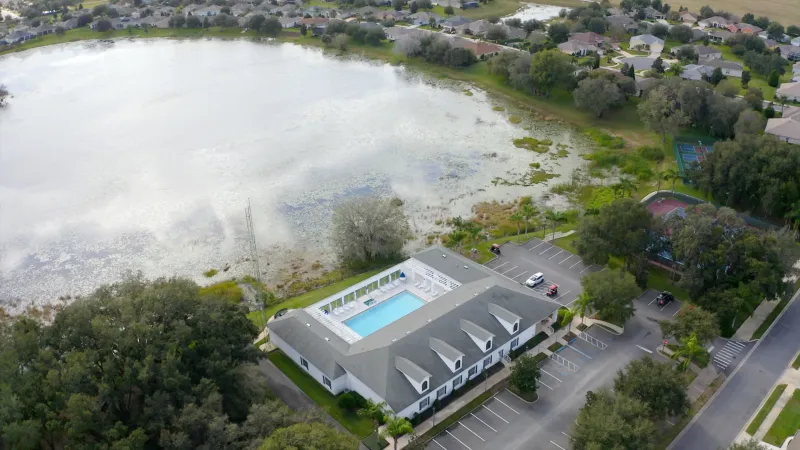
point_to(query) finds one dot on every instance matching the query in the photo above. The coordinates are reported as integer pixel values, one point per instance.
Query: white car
(535, 279)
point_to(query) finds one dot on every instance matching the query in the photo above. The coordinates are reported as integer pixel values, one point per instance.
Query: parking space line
(549, 248)
(676, 312)
(440, 445)
(662, 308)
(575, 264)
(645, 349)
(501, 265)
(509, 270)
(467, 428)
(540, 243)
(562, 295)
(548, 373)
(653, 300)
(459, 440)
(521, 274)
(584, 270)
(570, 437)
(543, 384)
(584, 354)
(481, 421)
(506, 404)
(562, 448)
(568, 257)
(562, 251)
(498, 415)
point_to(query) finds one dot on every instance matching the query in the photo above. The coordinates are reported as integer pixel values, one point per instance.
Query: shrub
(347, 401)
(651, 153)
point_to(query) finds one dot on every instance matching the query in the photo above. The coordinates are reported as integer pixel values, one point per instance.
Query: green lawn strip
(567, 243)
(796, 363)
(659, 279)
(359, 426)
(484, 248)
(764, 411)
(555, 346)
(527, 396)
(309, 298)
(770, 318)
(670, 433)
(787, 423)
(456, 416)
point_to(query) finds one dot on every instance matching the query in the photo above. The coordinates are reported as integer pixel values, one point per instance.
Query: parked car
(535, 279)
(664, 298)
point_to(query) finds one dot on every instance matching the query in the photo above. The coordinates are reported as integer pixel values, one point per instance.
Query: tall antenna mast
(251, 238)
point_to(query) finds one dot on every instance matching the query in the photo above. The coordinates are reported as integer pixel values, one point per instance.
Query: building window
(326, 381)
(424, 403)
(440, 393)
(425, 385)
(458, 364)
(515, 343)
(472, 371)
(303, 362)
(516, 327)
(487, 361)
(457, 381)
(488, 345)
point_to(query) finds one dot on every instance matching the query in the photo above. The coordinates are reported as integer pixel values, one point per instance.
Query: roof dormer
(452, 358)
(416, 375)
(507, 319)
(481, 337)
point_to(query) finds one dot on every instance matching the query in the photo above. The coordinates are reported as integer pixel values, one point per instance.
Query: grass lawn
(770, 318)
(359, 426)
(567, 243)
(784, 11)
(787, 423)
(764, 411)
(484, 248)
(796, 363)
(659, 280)
(309, 298)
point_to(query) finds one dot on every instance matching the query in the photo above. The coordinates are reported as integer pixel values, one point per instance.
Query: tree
(555, 217)
(84, 19)
(550, 68)
(717, 76)
(303, 29)
(658, 65)
(597, 25)
(660, 30)
(369, 230)
(612, 421)
(661, 112)
(376, 412)
(396, 427)
(793, 30)
(687, 54)
(774, 79)
(496, 33)
(706, 12)
(745, 78)
(517, 218)
(727, 88)
(493, 19)
(304, 436)
(194, 22)
(597, 95)
(515, 22)
(398, 4)
(558, 32)
(528, 212)
(531, 25)
(611, 292)
(632, 72)
(692, 320)
(459, 57)
(750, 444)
(256, 21)
(414, 8)
(689, 350)
(749, 123)
(525, 375)
(449, 10)
(775, 31)
(681, 33)
(655, 384)
(103, 25)
(621, 229)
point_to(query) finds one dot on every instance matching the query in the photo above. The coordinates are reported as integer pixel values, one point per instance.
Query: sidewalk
(462, 401)
(746, 330)
(791, 378)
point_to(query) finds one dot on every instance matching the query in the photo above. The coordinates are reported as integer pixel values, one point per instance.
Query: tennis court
(691, 152)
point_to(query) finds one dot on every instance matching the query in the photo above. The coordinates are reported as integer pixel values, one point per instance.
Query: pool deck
(380, 297)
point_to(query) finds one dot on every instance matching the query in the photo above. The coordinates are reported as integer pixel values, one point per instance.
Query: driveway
(518, 262)
(721, 420)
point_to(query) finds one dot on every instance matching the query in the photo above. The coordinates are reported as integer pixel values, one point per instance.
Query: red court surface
(661, 207)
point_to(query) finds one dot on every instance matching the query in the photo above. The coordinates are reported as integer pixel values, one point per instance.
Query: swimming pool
(385, 313)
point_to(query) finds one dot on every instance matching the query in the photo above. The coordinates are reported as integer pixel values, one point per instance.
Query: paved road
(721, 421)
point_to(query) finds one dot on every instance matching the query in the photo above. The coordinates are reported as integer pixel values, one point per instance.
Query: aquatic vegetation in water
(499, 108)
(468, 93)
(515, 119)
(534, 144)
(210, 273)
(529, 178)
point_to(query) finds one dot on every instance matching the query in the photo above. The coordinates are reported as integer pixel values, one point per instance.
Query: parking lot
(519, 262)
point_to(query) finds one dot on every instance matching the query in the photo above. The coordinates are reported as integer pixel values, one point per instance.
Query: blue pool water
(385, 313)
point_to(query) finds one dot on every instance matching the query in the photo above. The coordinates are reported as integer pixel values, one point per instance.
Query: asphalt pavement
(721, 420)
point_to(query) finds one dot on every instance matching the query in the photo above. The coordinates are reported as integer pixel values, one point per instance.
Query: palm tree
(375, 412)
(567, 320)
(659, 178)
(583, 304)
(793, 216)
(457, 237)
(474, 230)
(689, 349)
(556, 217)
(618, 189)
(672, 175)
(457, 222)
(528, 212)
(518, 219)
(396, 427)
(627, 184)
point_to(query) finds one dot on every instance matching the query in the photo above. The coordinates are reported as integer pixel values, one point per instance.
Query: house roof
(575, 47)
(789, 89)
(455, 21)
(704, 50)
(724, 34)
(787, 128)
(648, 39)
(716, 19)
(652, 11)
(796, 67)
(619, 20)
(410, 369)
(374, 359)
(443, 348)
(589, 38)
(722, 64)
(499, 311)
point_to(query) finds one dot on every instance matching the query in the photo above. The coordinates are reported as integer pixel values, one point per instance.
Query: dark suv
(664, 298)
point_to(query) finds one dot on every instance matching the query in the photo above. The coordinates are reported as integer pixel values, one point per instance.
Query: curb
(522, 399)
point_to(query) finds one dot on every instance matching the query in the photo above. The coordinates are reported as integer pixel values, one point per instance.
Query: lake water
(142, 156)
(536, 11)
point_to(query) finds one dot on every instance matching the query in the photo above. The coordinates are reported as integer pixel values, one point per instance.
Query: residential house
(729, 68)
(796, 72)
(786, 128)
(514, 33)
(395, 33)
(614, 11)
(368, 11)
(714, 22)
(641, 63)
(619, 21)
(476, 28)
(208, 11)
(240, 9)
(698, 34)
(315, 23)
(18, 36)
(789, 52)
(689, 17)
(577, 48)
(424, 18)
(164, 11)
(705, 53)
(719, 36)
(465, 319)
(696, 72)
(652, 13)
(43, 29)
(450, 24)
(647, 42)
(123, 11)
(189, 10)
(745, 28)
(392, 15)
(480, 48)
(789, 91)
(795, 42)
(289, 22)
(68, 24)
(644, 84)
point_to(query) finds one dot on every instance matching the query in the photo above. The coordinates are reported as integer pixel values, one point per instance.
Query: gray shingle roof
(373, 360)
(452, 265)
(410, 369)
(443, 348)
(499, 311)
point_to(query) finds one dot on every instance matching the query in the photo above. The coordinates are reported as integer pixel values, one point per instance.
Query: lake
(536, 11)
(142, 155)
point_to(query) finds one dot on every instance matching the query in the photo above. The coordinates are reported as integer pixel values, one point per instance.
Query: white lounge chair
(419, 283)
(383, 288)
(351, 305)
(429, 288)
(396, 283)
(335, 311)
(434, 293)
